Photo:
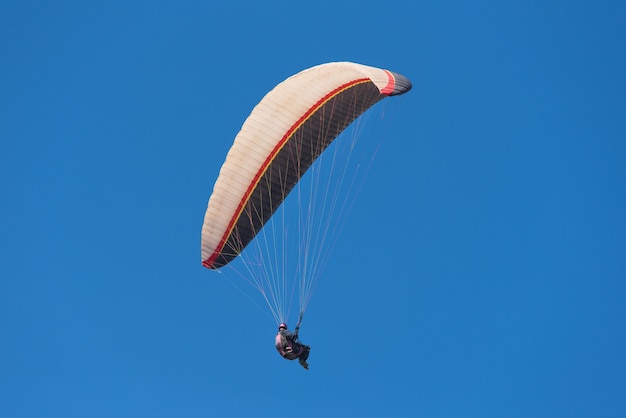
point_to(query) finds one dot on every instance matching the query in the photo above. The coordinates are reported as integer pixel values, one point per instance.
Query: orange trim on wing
(255, 181)
(391, 84)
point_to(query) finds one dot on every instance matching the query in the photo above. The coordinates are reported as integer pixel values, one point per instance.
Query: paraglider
(289, 347)
(277, 144)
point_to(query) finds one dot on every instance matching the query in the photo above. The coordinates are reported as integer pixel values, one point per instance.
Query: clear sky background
(482, 272)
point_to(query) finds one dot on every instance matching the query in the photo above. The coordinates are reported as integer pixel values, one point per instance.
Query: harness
(290, 348)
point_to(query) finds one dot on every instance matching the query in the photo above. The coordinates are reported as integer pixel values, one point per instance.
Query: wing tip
(398, 85)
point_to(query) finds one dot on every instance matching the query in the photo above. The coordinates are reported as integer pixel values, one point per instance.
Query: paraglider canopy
(291, 126)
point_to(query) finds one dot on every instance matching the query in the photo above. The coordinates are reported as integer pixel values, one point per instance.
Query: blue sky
(481, 272)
